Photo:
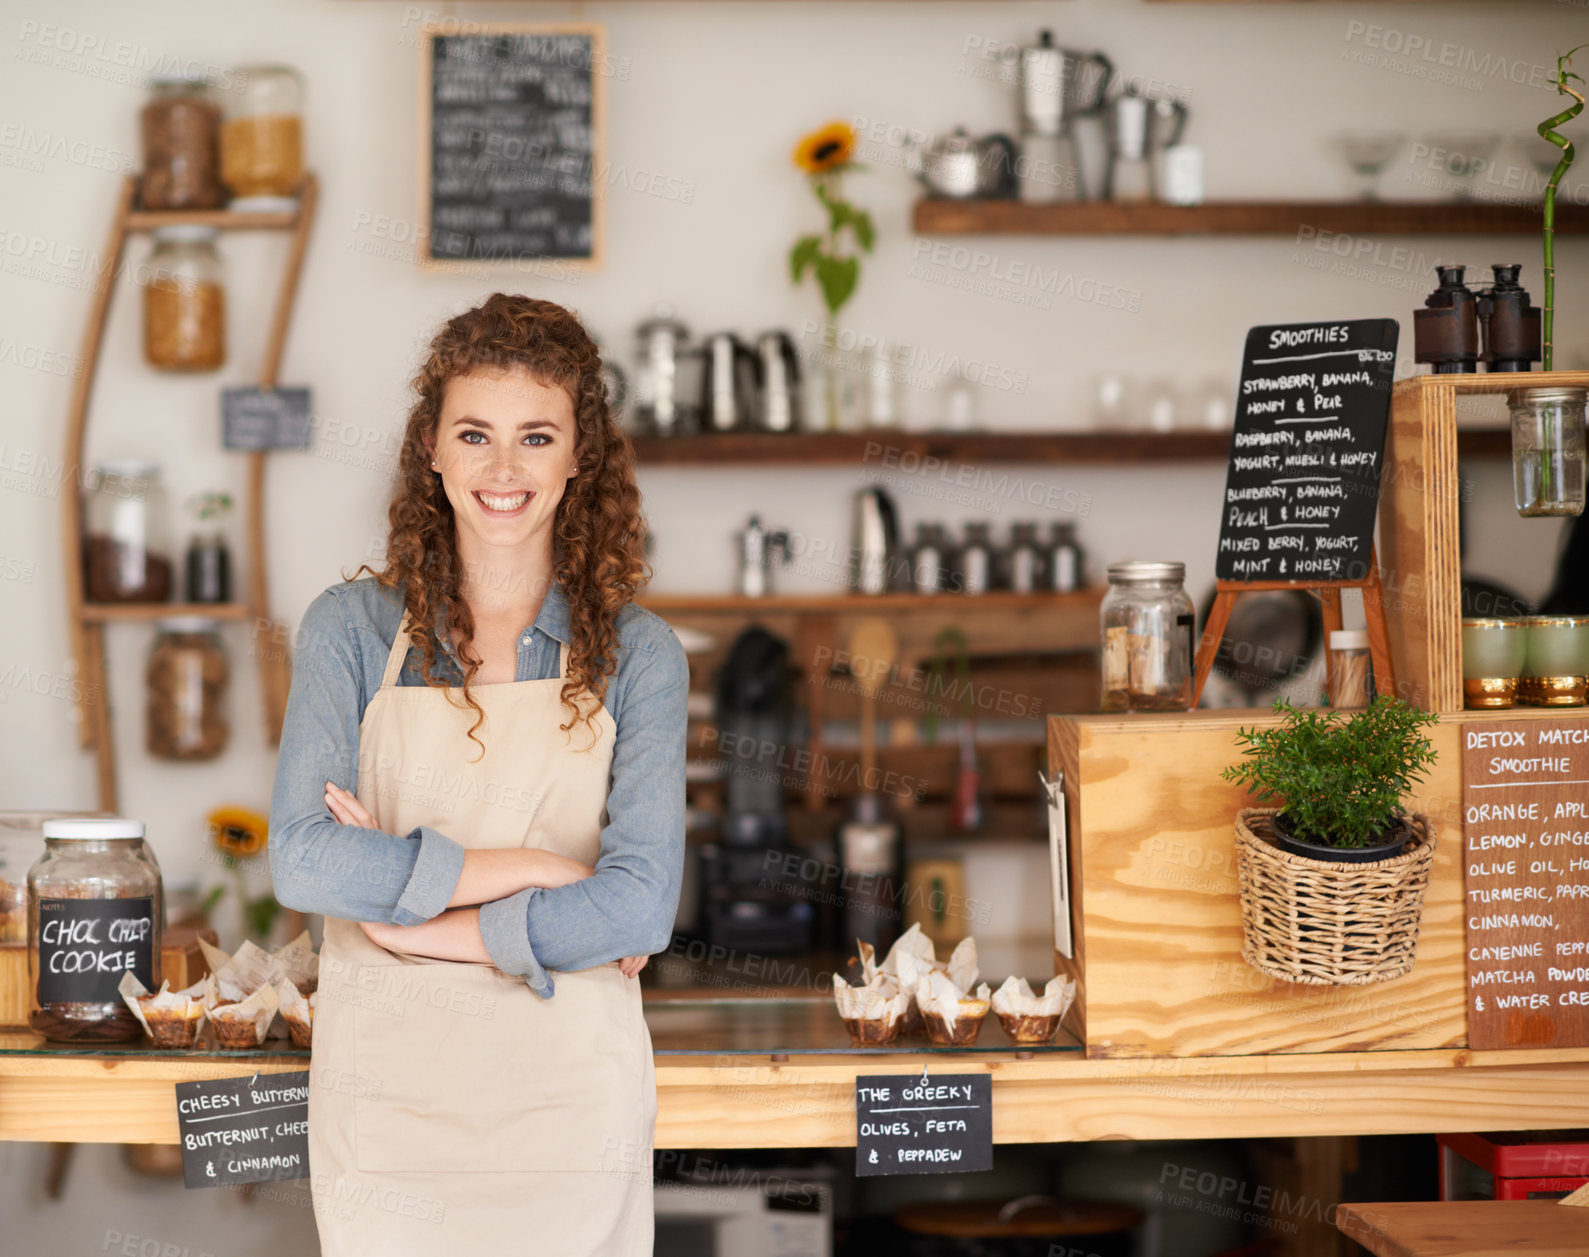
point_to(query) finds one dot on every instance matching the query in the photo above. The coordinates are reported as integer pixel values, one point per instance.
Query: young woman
(481, 784)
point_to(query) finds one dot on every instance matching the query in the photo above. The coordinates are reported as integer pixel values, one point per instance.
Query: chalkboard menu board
(513, 136)
(85, 945)
(1525, 826)
(1303, 481)
(244, 1130)
(912, 1124)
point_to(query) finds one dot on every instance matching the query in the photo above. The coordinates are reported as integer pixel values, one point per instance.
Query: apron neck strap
(562, 660)
(398, 653)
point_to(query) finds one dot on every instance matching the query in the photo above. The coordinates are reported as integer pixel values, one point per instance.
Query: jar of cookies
(262, 136)
(184, 301)
(96, 910)
(180, 127)
(186, 681)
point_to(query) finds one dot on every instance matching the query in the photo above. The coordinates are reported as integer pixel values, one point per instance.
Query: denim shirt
(625, 909)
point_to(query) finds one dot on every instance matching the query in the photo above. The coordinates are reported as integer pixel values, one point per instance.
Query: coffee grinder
(752, 890)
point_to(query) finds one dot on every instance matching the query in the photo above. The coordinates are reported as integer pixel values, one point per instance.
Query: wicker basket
(1328, 924)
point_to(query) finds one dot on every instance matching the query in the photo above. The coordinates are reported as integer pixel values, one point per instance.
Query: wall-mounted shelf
(893, 450)
(148, 612)
(935, 216)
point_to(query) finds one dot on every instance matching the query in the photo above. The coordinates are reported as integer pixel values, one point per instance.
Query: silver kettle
(728, 384)
(961, 166)
(874, 543)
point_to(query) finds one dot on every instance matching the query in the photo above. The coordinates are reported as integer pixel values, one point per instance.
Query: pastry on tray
(1031, 1018)
(874, 1012)
(241, 1023)
(171, 1019)
(297, 1010)
(952, 1017)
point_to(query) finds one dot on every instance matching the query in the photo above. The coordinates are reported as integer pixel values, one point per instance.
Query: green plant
(210, 506)
(1547, 131)
(1341, 782)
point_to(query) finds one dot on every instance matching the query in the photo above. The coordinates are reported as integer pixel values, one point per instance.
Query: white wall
(710, 97)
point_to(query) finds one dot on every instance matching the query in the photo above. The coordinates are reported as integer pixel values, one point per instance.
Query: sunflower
(825, 149)
(238, 831)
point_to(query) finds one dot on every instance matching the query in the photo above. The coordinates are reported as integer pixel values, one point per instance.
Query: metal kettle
(874, 542)
(961, 166)
(659, 399)
(1055, 85)
(728, 384)
(777, 382)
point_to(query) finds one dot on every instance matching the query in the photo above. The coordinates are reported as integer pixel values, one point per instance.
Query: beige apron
(451, 1109)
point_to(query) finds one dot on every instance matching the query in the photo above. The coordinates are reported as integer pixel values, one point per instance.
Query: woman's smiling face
(504, 446)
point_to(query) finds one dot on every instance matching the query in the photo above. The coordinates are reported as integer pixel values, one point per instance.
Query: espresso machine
(754, 891)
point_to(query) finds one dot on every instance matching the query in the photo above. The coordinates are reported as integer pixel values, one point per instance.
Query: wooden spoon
(873, 651)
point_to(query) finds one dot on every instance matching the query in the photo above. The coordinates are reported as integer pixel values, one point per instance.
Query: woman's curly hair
(598, 547)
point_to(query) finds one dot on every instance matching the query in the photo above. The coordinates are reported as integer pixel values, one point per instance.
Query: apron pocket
(471, 1072)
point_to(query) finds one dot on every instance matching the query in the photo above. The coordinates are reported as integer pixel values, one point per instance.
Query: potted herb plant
(1333, 879)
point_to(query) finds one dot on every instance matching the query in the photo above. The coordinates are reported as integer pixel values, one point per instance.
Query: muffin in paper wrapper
(1030, 1018)
(911, 958)
(171, 1019)
(297, 1010)
(952, 1018)
(240, 1023)
(874, 1012)
(251, 968)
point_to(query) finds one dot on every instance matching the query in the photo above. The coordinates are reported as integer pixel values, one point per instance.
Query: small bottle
(1064, 567)
(976, 559)
(1025, 559)
(927, 559)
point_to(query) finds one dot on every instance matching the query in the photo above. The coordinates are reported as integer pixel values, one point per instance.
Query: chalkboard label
(1302, 487)
(265, 419)
(513, 144)
(85, 945)
(1525, 828)
(242, 1130)
(908, 1124)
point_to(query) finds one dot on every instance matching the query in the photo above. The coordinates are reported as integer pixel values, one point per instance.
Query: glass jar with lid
(180, 128)
(262, 137)
(96, 910)
(1548, 450)
(1147, 622)
(127, 537)
(186, 680)
(184, 300)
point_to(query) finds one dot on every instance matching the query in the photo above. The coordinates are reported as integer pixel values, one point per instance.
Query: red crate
(1522, 1165)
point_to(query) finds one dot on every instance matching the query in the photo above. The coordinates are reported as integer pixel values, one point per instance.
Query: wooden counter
(1468, 1228)
(711, 1094)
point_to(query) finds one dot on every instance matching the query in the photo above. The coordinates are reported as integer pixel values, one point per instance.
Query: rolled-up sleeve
(316, 864)
(626, 908)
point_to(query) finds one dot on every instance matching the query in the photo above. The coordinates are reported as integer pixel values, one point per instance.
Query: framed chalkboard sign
(1302, 486)
(512, 144)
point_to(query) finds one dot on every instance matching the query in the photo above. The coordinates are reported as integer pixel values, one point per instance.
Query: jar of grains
(180, 127)
(1147, 622)
(262, 137)
(184, 301)
(96, 911)
(186, 679)
(127, 541)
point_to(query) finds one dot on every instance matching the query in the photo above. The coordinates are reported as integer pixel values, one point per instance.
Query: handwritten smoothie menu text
(1525, 823)
(1303, 481)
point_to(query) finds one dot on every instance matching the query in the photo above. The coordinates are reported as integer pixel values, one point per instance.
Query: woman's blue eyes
(539, 437)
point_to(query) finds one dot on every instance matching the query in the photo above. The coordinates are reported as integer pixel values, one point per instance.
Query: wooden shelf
(103, 612)
(935, 216)
(891, 450)
(221, 219)
(994, 601)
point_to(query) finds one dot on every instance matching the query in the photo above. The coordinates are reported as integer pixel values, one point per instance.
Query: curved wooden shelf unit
(86, 621)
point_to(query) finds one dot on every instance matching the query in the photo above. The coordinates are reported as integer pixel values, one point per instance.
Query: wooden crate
(1420, 492)
(1157, 918)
